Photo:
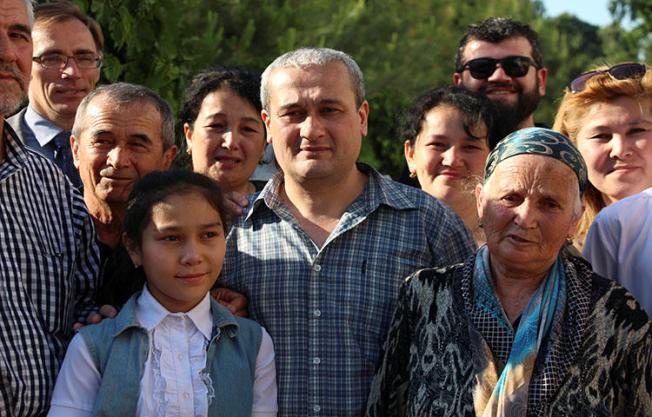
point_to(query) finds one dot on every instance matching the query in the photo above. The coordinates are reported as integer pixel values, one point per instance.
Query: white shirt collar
(150, 313)
(44, 130)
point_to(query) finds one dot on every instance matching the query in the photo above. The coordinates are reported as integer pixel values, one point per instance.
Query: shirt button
(180, 356)
(316, 409)
(316, 313)
(316, 361)
(317, 268)
(186, 395)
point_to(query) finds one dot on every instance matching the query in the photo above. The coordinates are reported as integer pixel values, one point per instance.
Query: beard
(13, 93)
(510, 116)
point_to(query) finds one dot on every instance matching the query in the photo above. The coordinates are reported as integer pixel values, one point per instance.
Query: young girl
(172, 350)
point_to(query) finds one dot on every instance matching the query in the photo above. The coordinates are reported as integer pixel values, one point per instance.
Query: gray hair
(126, 93)
(305, 57)
(30, 11)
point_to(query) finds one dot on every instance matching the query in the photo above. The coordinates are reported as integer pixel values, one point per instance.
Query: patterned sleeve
(639, 378)
(88, 264)
(388, 396)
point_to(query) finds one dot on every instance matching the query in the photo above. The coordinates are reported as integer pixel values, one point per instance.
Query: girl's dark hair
(159, 185)
(243, 82)
(475, 108)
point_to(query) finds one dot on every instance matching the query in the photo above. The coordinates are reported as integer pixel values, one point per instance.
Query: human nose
(499, 74)
(118, 157)
(451, 157)
(526, 215)
(230, 139)
(311, 127)
(7, 49)
(620, 148)
(70, 68)
(190, 254)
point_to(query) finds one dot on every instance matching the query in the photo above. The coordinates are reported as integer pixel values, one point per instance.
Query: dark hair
(475, 108)
(495, 30)
(159, 185)
(64, 10)
(243, 82)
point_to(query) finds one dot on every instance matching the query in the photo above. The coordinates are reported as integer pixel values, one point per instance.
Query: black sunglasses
(626, 71)
(514, 66)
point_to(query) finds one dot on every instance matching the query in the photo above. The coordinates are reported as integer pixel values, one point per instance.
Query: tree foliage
(403, 46)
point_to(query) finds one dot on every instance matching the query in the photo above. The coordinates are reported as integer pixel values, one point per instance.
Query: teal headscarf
(539, 141)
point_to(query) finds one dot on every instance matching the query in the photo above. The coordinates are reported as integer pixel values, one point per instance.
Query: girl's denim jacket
(119, 348)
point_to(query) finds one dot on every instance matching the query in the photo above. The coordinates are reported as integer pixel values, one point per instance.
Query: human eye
(20, 35)
(170, 238)
(210, 234)
(292, 114)
(437, 145)
(85, 60)
(53, 60)
(511, 199)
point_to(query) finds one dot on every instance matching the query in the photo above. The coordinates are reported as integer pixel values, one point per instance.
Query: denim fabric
(119, 348)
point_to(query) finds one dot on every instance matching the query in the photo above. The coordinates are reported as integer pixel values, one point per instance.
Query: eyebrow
(173, 227)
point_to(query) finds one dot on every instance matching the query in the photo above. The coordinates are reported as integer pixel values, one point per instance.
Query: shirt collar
(380, 190)
(44, 130)
(150, 313)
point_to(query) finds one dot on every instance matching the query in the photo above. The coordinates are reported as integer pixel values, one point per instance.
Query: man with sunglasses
(501, 58)
(66, 67)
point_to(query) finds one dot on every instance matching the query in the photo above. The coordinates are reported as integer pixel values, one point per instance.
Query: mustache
(15, 73)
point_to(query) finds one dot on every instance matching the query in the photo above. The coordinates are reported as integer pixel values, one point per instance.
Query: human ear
(187, 133)
(408, 150)
(133, 249)
(479, 200)
(267, 120)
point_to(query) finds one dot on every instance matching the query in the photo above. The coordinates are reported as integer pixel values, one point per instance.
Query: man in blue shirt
(322, 250)
(67, 59)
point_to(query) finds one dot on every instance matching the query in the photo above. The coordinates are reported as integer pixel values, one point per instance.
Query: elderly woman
(520, 328)
(448, 134)
(607, 113)
(225, 135)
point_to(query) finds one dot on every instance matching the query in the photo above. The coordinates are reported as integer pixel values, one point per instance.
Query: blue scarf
(509, 393)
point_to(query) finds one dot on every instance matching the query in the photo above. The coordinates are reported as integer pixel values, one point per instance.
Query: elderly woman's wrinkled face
(444, 156)
(616, 142)
(227, 139)
(528, 208)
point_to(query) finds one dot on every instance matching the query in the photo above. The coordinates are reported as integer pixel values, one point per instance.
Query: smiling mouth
(191, 278)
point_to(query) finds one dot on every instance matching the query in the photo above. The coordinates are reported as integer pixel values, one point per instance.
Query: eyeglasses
(630, 70)
(514, 66)
(54, 60)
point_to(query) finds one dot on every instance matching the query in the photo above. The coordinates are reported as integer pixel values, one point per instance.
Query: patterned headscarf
(539, 141)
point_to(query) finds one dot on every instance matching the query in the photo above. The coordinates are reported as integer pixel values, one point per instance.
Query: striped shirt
(48, 266)
(328, 309)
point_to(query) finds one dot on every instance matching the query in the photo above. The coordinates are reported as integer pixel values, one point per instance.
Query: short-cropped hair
(126, 94)
(495, 30)
(306, 57)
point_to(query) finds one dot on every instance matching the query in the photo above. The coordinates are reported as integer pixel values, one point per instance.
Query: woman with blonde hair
(607, 113)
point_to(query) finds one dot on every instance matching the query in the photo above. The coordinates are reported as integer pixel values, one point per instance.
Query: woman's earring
(569, 240)
(413, 174)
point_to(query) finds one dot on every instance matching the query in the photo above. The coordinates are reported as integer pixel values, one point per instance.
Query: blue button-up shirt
(328, 309)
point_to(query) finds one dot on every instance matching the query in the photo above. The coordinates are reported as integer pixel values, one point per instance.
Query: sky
(591, 11)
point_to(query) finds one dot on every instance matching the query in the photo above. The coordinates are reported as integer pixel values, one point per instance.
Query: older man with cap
(322, 250)
(48, 258)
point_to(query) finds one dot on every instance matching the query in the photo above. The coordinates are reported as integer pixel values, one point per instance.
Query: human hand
(236, 302)
(106, 311)
(235, 203)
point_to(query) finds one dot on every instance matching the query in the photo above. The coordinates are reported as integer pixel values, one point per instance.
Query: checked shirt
(48, 266)
(328, 309)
